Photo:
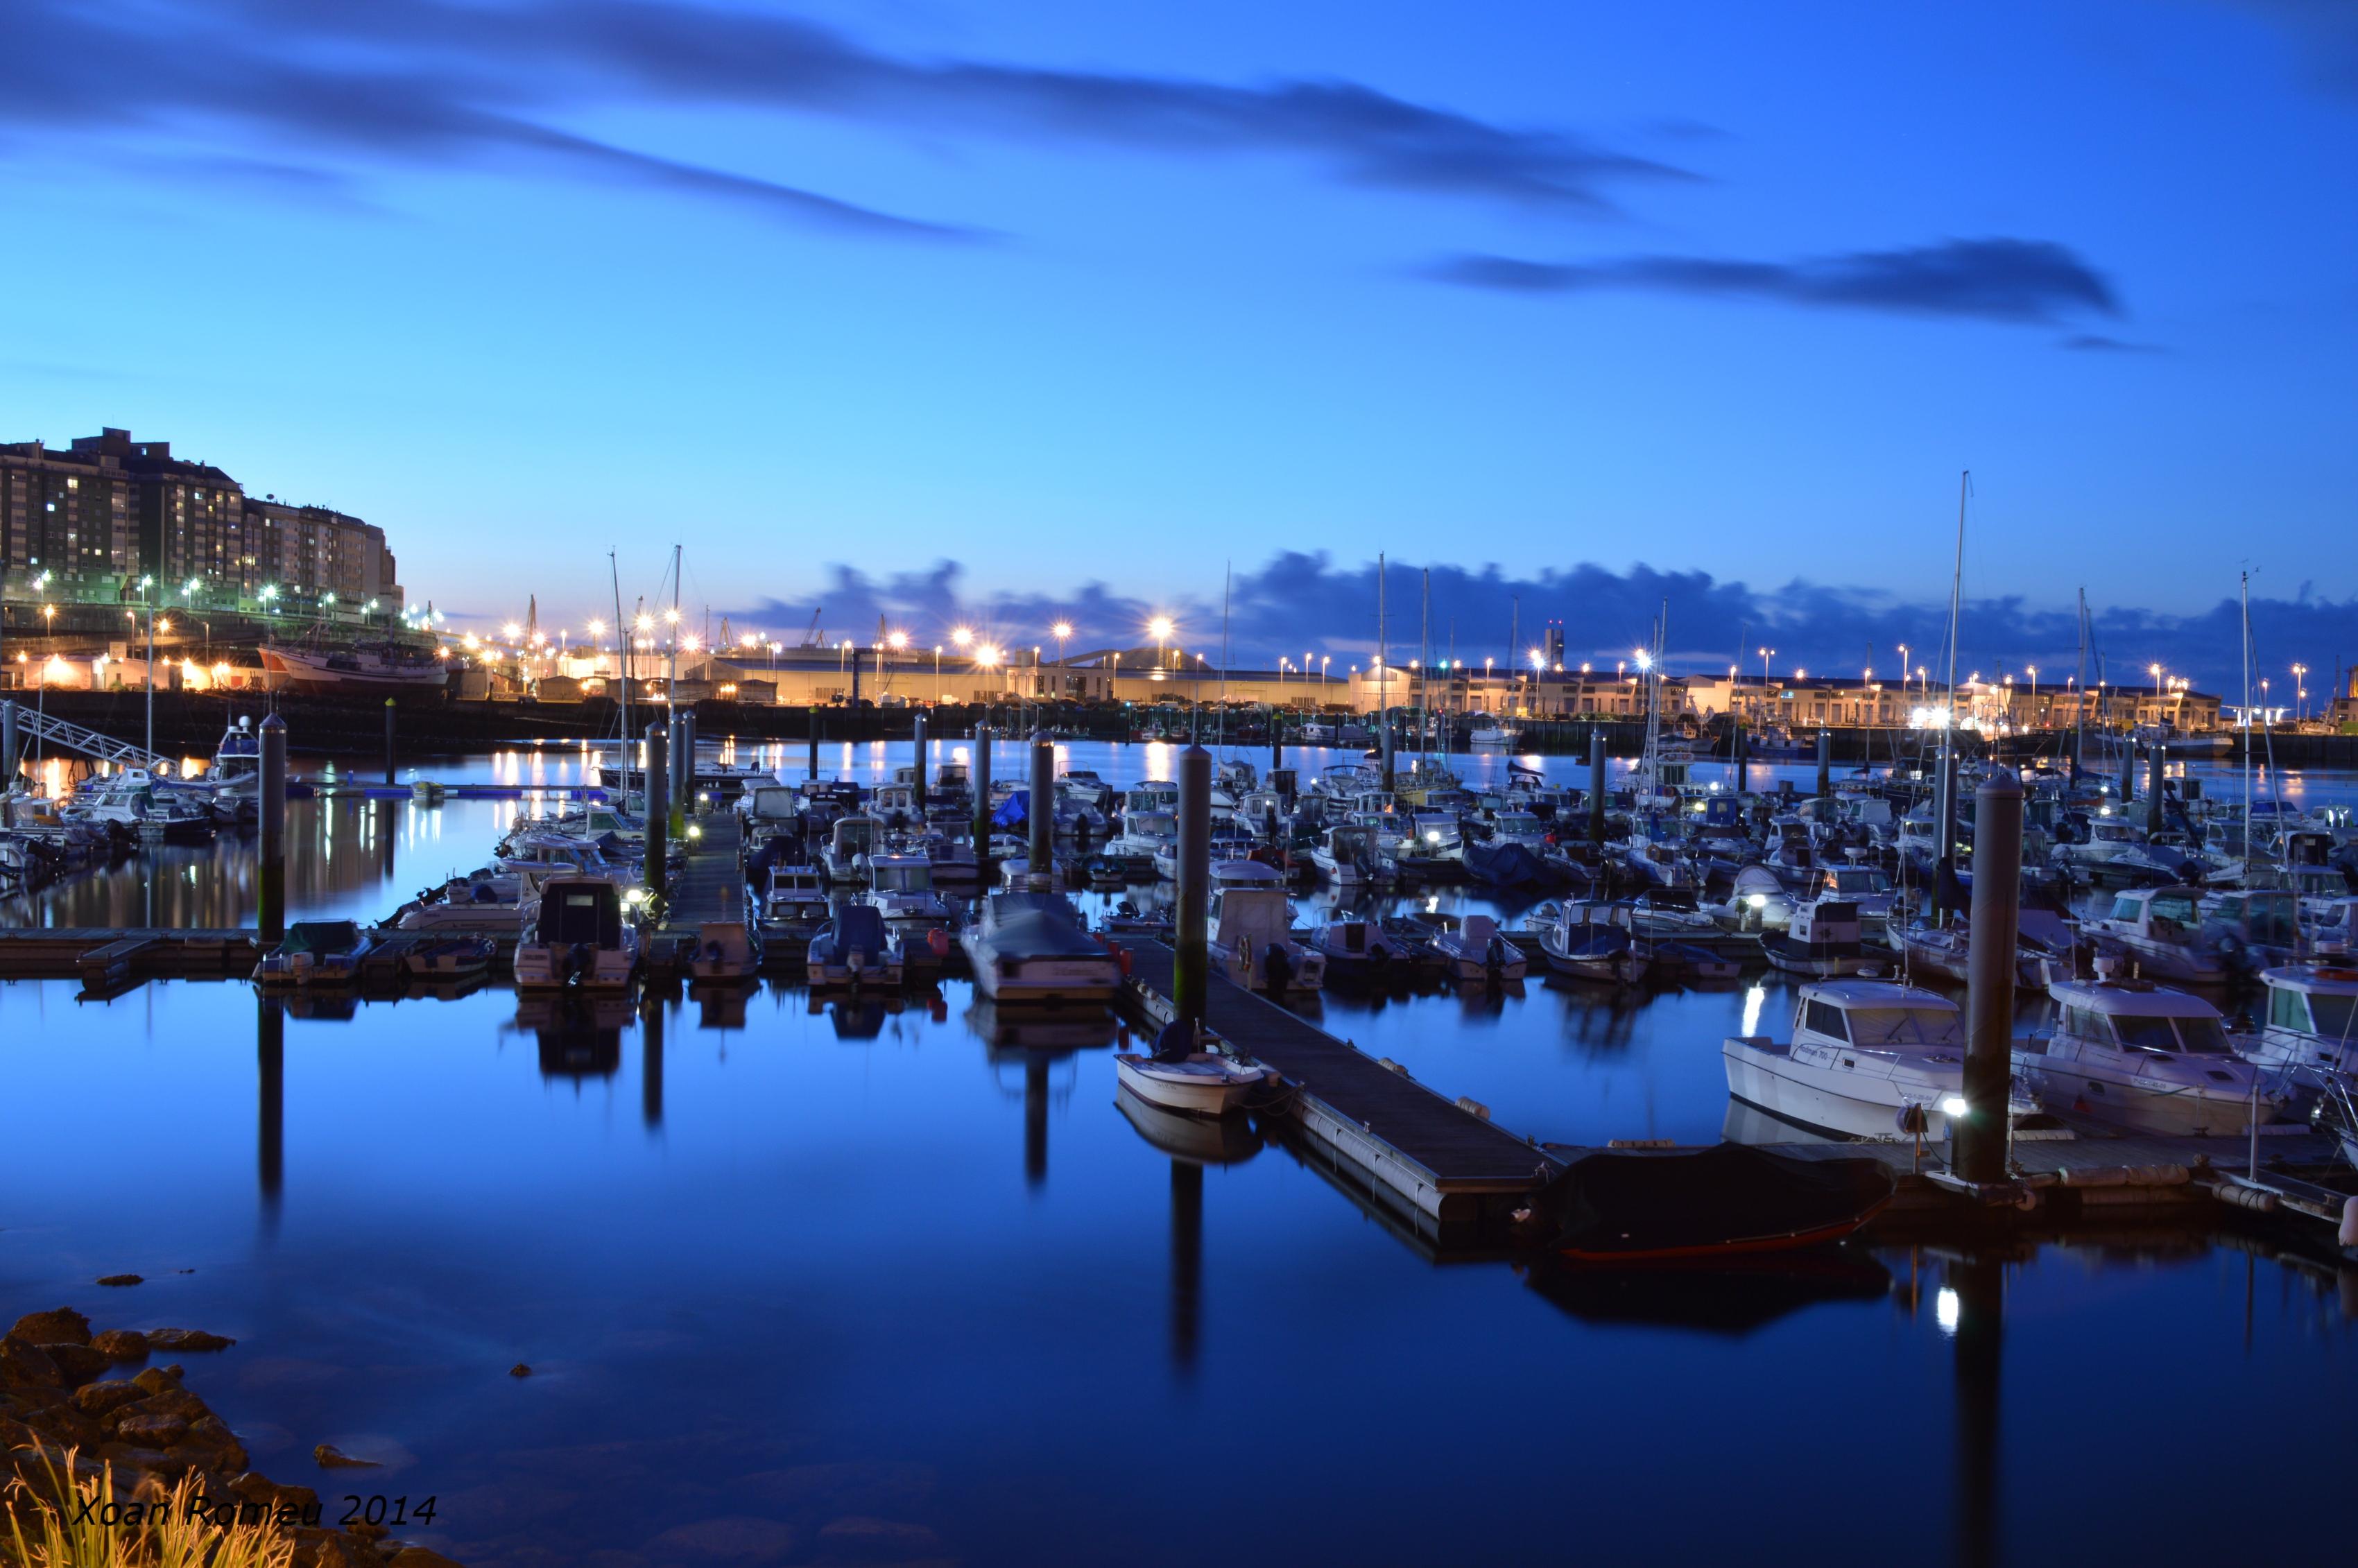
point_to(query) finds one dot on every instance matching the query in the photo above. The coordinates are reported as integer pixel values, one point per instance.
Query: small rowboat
(1197, 1084)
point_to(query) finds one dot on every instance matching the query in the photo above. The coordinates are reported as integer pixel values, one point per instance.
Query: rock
(733, 1537)
(419, 1557)
(347, 1551)
(219, 1446)
(121, 1344)
(23, 1364)
(158, 1379)
(331, 1457)
(175, 1401)
(77, 1363)
(97, 1398)
(519, 1370)
(186, 1339)
(118, 1281)
(61, 1326)
(151, 1430)
(878, 1538)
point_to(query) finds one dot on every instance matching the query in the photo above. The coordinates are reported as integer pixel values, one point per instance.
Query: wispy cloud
(2033, 281)
(1298, 602)
(438, 81)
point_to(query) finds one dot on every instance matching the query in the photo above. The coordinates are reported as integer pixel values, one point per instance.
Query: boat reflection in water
(858, 1015)
(1731, 1297)
(580, 1036)
(1191, 1142)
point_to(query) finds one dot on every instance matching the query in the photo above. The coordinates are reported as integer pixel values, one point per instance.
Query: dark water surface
(855, 1268)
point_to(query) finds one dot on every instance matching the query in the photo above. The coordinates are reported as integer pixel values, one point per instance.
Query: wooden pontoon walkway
(1450, 1161)
(709, 886)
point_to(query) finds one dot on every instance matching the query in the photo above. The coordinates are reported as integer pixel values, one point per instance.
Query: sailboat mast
(2079, 710)
(1956, 594)
(622, 646)
(2247, 724)
(672, 695)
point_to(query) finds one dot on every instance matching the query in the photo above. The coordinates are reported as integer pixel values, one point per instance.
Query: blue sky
(1071, 294)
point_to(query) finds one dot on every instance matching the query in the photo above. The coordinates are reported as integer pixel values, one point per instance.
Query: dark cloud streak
(2010, 280)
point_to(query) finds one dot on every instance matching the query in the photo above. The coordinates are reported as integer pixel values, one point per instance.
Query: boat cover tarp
(1507, 865)
(1722, 1200)
(1014, 811)
(320, 937)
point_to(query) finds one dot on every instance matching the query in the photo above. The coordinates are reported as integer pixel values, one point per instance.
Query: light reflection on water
(794, 1262)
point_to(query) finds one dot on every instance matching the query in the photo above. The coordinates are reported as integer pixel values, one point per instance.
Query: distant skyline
(1694, 298)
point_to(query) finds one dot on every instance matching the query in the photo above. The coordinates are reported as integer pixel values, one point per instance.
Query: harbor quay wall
(190, 723)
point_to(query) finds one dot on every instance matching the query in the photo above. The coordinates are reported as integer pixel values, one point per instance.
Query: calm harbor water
(840, 1282)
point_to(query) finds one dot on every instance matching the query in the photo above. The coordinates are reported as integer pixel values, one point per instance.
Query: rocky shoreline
(60, 1389)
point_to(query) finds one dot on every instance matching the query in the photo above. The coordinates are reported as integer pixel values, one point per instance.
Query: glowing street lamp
(1159, 629)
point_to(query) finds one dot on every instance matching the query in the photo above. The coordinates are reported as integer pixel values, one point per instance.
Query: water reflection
(579, 1037)
(1972, 1309)
(1735, 1300)
(270, 1110)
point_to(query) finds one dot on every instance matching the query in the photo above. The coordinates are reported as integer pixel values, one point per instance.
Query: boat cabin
(1872, 1015)
(2137, 1015)
(580, 911)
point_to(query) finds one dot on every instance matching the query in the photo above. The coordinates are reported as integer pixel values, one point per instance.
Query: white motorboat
(1591, 949)
(724, 952)
(794, 908)
(1252, 941)
(1346, 857)
(1358, 949)
(1031, 946)
(1200, 1084)
(488, 902)
(2144, 1056)
(1475, 949)
(849, 843)
(1861, 1053)
(137, 799)
(902, 887)
(1823, 940)
(579, 934)
(1500, 737)
(2159, 932)
(1758, 902)
(2310, 1029)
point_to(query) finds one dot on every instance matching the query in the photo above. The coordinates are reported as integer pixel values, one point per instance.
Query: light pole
(2034, 692)
(2301, 693)
(147, 598)
(1766, 655)
(1063, 631)
(1159, 629)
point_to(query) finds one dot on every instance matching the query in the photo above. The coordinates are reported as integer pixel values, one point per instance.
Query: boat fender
(1386, 1062)
(1910, 1119)
(2257, 1199)
(2348, 1235)
(1473, 1107)
(939, 940)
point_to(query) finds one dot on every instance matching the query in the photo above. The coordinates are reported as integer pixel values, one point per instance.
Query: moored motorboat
(579, 934)
(1201, 1083)
(1031, 946)
(1861, 1053)
(315, 954)
(2144, 1056)
(1682, 1205)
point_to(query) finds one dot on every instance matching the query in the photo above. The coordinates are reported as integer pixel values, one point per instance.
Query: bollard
(981, 779)
(389, 711)
(1978, 1137)
(917, 735)
(1190, 972)
(1596, 785)
(1042, 812)
(270, 808)
(2153, 789)
(1826, 763)
(658, 807)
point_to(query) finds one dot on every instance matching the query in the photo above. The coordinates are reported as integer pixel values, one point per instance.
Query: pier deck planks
(1412, 1137)
(711, 883)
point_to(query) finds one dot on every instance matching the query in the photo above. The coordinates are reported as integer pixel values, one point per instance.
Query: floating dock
(1445, 1161)
(710, 886)
(109, 962)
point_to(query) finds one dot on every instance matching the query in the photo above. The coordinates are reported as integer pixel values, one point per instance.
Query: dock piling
(270, 808)
(980, 774)
(1826, 763)
(391, 709)
(658, 805)
(1596, 786)
(1191, 940)
(7, 743)
(814, 744)
(917, 738)
(2159, 759)
(1042, 811)
(1979, 1139)
(2128, 771)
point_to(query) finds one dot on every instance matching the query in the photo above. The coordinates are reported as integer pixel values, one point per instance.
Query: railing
(89, 743)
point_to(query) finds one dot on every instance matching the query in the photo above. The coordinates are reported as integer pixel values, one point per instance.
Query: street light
(2298, 671)
(1160, 629)
(1766, 655)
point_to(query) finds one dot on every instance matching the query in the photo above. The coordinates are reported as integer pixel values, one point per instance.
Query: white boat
(488, 902)
(1252, 941)
(1758, 902)
(579, 934)
(1475, 949)
(1825, 939)
(794, 907)
(1861, 1053)
(849, 843)
(1359, 948)
(1494, 737)
(895, 805)
(368, 670)
(724, 951)
(2159, 932)
(1574, 943)
(902, 887)
(1031, 946)
(136, 799)
(2309, 1031)
(1346, 857)
(1201, 1084)
(2143, 1055)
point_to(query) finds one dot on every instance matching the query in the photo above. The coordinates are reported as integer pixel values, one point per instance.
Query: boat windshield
(1861, 880)
(2206, 1036)
(2143, 1032)
(1903, 1026)
(2334, 1014)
